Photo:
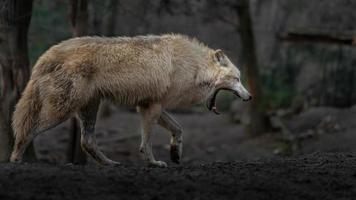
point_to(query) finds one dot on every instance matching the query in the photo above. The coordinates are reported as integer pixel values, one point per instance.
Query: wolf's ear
(220, 57)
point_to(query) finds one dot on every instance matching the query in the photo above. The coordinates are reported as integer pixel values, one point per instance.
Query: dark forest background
(297, 57)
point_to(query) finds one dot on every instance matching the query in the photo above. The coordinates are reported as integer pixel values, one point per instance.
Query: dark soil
(259, 173)
(315, 176)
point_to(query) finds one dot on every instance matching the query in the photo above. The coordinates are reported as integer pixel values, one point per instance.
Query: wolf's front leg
(150, 115)
(172, 125)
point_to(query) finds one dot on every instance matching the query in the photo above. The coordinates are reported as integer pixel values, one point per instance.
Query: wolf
(153, 73)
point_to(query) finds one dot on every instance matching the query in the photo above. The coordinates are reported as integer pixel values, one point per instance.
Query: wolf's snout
(240, 91)
(244, 96)
(248, 99)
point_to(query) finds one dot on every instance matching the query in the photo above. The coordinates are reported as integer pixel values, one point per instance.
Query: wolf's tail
(26, 115)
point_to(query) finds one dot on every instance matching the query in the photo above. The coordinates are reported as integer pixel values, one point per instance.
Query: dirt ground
(209, 137)
(219, 161)
(316, 176)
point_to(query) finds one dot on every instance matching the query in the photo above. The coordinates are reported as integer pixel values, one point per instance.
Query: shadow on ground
(315, 176)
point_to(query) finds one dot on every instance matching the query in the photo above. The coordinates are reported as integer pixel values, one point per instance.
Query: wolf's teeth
(215, 110)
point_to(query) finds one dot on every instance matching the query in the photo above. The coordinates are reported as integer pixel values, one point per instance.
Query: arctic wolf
(153, 73)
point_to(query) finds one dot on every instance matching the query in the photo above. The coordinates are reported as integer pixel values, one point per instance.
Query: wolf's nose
(249, 98)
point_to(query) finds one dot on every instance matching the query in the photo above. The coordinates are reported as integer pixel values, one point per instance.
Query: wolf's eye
(238, 80)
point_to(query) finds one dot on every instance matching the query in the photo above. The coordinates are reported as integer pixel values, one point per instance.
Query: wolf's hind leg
(150, 115)
(44, 123)
(87, 117)
(20, 146)
(21, 142)
(173, 126)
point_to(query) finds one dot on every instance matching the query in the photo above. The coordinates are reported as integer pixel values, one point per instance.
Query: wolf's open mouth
(211, 102)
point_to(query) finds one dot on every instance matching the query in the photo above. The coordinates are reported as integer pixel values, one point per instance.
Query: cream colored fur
(167, 71)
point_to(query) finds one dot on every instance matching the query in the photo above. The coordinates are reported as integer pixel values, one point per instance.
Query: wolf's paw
(158, 163)
(114, 163)
(16, 161)
(176, 152)
(110, 163)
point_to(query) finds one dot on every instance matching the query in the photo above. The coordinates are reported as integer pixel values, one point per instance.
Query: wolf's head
(228, 78)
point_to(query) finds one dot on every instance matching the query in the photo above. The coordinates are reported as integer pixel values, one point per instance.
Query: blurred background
(297, 57)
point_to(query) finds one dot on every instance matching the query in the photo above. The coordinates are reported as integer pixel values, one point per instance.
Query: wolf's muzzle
(211, 102)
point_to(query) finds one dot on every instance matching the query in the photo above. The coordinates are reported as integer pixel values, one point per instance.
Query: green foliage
(278, 97)
(49, 25)
(278, 89)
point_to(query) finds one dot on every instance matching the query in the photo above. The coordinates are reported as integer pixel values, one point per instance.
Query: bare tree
(79, 21)
(79, 17)
(15, 17)
(110, 20)
(96, 11)
(237, 14)
(257, 123)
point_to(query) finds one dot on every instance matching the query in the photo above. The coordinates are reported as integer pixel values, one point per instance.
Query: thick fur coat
(167, 70)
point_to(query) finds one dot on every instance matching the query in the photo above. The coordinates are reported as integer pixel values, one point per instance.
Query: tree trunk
(257, 121)
(79, 17)
(110, 21)
(79, 22)
(96, 17)
(15, 17)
